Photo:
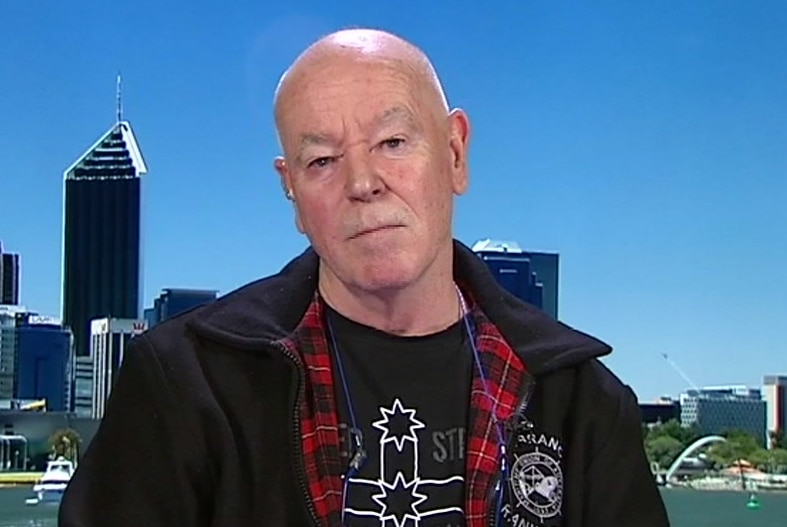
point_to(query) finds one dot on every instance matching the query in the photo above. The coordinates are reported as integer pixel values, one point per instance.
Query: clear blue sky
(646, 142)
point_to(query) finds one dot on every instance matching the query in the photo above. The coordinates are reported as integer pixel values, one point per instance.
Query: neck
(410, 311)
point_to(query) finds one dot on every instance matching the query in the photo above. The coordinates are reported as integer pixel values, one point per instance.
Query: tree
(672, 428)
(739, 445)
(66, 443)
(663, 449)
(773, 460)
(777, 439)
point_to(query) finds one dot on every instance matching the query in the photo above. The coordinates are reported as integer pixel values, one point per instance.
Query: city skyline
(645, 146)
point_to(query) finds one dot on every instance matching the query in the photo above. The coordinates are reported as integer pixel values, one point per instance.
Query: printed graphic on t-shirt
(401, 486)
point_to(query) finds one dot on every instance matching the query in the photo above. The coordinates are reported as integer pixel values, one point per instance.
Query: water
(687, 508)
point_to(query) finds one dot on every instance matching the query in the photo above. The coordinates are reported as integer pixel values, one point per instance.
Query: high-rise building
(172, 302)
(9, 278)
(102, 234)
(775, 392)
(108, 339)
(716, 410)
(8, 355)
(43, 363)
(530, 276)
(659, 411)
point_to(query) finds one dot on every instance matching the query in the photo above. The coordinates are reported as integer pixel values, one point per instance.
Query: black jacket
(199, 428)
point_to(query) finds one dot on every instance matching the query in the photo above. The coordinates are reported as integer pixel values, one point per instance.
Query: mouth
(374, 230)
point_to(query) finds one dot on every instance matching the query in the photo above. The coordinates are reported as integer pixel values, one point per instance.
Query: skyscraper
(530, 276)
(102, 238)
(172, 302)
(9, 278)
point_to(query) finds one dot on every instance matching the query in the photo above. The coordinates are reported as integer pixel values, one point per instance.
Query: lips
(372, 230)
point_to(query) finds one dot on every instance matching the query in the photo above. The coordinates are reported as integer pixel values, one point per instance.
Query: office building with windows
(659, 411)
(43, 362)
(8, 350)
(102, 234)
(108, 339)
(9, 278)
(172, 302)
(774, 389)
(82, 386)
(716, 410)
(530, 276)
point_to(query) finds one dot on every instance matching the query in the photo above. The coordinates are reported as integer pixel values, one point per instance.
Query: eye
(320, 162)
(393, 143)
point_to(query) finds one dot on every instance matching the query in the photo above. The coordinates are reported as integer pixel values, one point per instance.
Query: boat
(53, 483)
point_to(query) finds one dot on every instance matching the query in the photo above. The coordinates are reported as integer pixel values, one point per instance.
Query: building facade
(172, 302)
(108, 339)
(43, 362)
(8, 350)
(9, 278)
(659, 411)
(774, 389)
(716, 410)
(102, 234)
(82, 386)
(530, 276)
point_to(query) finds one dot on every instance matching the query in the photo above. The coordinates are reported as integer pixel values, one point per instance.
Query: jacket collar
(270, 309)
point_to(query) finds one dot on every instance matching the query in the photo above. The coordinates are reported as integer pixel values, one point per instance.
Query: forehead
(351, 94)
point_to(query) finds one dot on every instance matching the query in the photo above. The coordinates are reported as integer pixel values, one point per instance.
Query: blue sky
(646, 142)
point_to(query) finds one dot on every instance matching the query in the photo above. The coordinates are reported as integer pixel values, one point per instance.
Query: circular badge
(537, 483)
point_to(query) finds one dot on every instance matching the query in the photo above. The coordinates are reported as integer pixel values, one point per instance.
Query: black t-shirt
(410, 397)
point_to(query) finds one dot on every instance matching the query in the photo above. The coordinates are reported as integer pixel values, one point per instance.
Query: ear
(459, 129)
(280, 164)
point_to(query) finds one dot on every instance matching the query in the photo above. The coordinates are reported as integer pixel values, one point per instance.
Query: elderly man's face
(373, 162)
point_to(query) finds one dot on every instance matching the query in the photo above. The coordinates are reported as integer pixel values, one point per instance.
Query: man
(382, 378)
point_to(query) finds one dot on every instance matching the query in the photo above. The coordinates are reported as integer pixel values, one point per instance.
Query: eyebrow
(396, 113)
(311, 139)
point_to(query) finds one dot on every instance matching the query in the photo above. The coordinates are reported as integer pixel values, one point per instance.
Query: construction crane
(680, 372)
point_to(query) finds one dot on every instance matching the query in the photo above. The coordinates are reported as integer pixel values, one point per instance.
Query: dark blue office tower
(102, 238)
(43, 349)
(174, 301)
(530, 276)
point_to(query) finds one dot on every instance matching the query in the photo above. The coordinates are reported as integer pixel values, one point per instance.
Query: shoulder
(593, 401)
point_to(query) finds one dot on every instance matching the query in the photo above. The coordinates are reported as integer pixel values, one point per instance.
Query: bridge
(696, 445)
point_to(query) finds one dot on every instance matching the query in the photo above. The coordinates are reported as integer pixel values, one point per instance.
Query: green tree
(739, 445)
(663, 449)
(778, 439)
(773, 460)
(66, 443)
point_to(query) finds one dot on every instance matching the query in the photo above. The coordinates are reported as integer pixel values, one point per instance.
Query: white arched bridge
(696, 445)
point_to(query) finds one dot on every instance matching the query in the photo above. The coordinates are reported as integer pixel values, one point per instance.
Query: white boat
(53, 483)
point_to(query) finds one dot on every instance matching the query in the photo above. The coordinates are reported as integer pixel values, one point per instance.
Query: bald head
(357, 46)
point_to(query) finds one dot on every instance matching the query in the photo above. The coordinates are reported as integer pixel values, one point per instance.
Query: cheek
(317, 219)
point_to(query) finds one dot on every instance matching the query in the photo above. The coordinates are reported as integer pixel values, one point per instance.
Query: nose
(363, 179)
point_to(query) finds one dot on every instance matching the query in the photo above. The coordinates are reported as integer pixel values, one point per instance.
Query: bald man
(382, 378)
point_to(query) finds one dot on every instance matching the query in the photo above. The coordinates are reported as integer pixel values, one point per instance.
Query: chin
(387, 273)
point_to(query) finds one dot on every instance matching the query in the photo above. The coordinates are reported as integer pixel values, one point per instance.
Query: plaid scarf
(504, 372)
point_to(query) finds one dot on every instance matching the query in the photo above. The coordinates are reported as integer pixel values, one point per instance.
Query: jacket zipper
(512, 426)
(296, 421)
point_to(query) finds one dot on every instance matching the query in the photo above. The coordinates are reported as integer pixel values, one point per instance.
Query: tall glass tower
(102, 238)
